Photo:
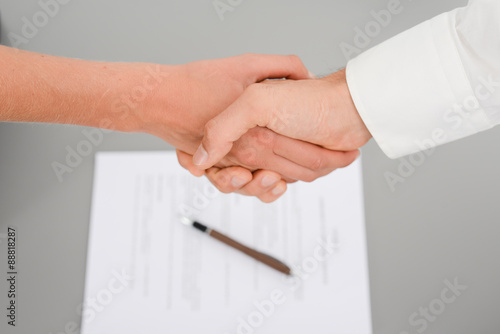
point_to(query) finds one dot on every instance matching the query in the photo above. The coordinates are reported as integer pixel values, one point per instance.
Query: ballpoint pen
(259, 256)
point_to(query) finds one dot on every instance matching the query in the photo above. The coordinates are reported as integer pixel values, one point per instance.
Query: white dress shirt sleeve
(432, 84)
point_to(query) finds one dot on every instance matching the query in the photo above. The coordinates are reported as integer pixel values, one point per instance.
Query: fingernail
(268, 181)
(312, 75)
(201, 156)
(278, 190)
(237, 181)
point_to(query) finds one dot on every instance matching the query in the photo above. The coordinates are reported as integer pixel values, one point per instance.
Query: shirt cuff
(412, 91)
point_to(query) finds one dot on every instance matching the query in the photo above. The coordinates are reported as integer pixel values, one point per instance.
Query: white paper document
(149, 273)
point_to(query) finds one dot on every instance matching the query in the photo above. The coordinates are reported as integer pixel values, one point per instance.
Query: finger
(186, 161)
(337, 159)
(229, 179)
(223, 130)
(262, 67)
(262, 182)
(292, 170)
(274, 193)
(312, 157)
(267, 160)
(266, 185)
(262, 148)
(242, 181)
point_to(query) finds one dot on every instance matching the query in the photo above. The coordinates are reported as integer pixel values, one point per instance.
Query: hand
(264, 184)
(317, 111)
(196, 92)
(202, 90)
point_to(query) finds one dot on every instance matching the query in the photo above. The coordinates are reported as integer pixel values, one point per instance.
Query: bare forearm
(42, 88)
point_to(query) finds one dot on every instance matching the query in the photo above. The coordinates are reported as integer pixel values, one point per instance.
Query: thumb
(226, 128)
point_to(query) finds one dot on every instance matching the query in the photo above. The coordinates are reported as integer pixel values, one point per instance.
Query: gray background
(441, 223)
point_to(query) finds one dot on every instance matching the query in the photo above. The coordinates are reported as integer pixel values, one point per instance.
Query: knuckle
(317, 164)
(265, 136)
(222, 185)
(210, 127)
(224, 178)
(245, 153)
(249, 157)
(295, 60)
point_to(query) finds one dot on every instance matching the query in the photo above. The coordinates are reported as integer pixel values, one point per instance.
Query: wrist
(134, 99)
(352, 131)
(161, 100)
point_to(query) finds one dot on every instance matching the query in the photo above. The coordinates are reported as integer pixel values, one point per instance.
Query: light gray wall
(440, 224)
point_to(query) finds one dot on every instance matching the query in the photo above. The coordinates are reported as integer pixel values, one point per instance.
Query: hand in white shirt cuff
(413, 91)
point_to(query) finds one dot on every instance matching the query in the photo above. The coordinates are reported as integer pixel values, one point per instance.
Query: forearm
(49, 89)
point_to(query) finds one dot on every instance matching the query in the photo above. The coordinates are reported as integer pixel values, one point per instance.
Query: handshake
(253, 136)
(246, 133)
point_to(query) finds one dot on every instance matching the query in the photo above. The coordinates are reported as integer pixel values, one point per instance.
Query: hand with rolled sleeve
(436, 82)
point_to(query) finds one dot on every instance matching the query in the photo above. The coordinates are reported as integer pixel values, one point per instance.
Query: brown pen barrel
(264, 258)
